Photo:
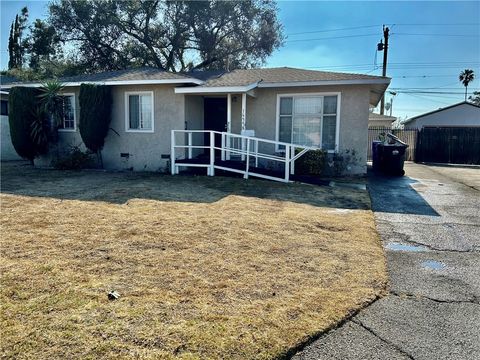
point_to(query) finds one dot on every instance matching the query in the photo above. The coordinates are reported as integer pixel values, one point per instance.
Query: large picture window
(139, 111)
(68, 113)
(308, 119)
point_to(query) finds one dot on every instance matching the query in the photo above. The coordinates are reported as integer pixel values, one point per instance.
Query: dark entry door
(215, 117)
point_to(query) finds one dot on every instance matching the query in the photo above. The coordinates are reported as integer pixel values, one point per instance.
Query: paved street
(429, 222)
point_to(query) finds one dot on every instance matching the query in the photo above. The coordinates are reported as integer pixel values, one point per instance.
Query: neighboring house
(378, 120)
(463, 114)
(7, 152)
(312, 108)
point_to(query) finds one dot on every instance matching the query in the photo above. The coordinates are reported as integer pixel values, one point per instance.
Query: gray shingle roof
(213, 78)
(379, 117)
(144, 73)
(282, 75)
(6, 80)
(138, 74)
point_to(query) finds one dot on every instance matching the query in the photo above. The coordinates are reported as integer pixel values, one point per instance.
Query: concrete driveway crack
(371, 331)
(433, 248)
(415, 296)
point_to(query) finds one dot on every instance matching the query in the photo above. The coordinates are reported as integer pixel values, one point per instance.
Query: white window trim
(127, 120)
(323, 94)
(74, 114)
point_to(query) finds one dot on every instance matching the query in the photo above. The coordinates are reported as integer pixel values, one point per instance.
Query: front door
(215, 117)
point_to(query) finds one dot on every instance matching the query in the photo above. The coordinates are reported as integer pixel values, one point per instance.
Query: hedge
(23, 104)
(95, 115)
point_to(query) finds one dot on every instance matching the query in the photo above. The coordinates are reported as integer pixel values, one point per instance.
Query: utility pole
(384, 46)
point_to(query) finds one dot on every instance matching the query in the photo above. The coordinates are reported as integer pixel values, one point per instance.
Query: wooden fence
(456, 145)
(408, 135)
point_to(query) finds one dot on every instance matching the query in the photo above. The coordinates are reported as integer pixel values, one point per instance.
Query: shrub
(95, 115)
(310, 163)
(23, 120)
(74, 159)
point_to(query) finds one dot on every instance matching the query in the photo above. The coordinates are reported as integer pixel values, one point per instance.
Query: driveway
(429, 222)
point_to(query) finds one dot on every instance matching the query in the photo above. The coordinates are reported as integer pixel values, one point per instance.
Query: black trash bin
(392, 159)
(375, 154)
(391, 155)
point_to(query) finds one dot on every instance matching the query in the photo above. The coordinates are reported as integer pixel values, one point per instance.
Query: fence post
(243, 148)
(247, 166)
(190, 140)
(292, 164)
(223, 147)
(212, 154)
(256, 153)
(172, 152)
(287, 162)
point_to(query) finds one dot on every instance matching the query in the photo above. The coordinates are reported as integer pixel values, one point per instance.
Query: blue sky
(431, 42)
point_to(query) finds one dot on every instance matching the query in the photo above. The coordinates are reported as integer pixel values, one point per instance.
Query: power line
(429, 92)
(331, 30)
(372, 26)
(435, 34)
(334, 37)
(423, 76)
(403, 63)
(439, 24)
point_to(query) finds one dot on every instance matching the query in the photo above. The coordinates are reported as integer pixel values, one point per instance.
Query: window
(4, 107)
(68, 113)
(308, 119)
(139, 111)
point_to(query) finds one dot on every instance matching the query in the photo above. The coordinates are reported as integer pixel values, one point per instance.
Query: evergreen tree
(16, 47)
(11, 56)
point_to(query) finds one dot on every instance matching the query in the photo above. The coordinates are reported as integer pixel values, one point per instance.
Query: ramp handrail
(247, 148)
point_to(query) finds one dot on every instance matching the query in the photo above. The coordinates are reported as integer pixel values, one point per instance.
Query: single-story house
(379, 120)
(462, 114)
(7, 151)
(320, 109)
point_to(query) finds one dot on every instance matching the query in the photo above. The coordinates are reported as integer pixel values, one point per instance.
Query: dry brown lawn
(207, 268)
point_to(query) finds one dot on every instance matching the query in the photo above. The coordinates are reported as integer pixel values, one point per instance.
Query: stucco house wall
(7, 151)
(126, 150)
(354, 110)
(461, 115)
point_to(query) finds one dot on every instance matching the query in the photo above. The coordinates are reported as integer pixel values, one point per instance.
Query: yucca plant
(52, 104)
(39, 129)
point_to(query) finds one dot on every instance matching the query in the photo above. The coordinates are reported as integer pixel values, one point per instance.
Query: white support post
(223, 146)
(292, 164)
(247, 167)
(243, 148)
(190, 137)
(256, 152)
(244, 111)
(287, 162)
(172, 152)
(229, 113)
(229, 145)
(212, 154)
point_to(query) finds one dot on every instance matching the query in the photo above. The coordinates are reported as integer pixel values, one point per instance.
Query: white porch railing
(233, 147)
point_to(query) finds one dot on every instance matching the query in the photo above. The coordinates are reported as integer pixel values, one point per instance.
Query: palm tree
(465, 77)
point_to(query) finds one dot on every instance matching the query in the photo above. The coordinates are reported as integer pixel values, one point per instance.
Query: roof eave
(323, 83)
(216, 89)
(116, 82)
(438, 110)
